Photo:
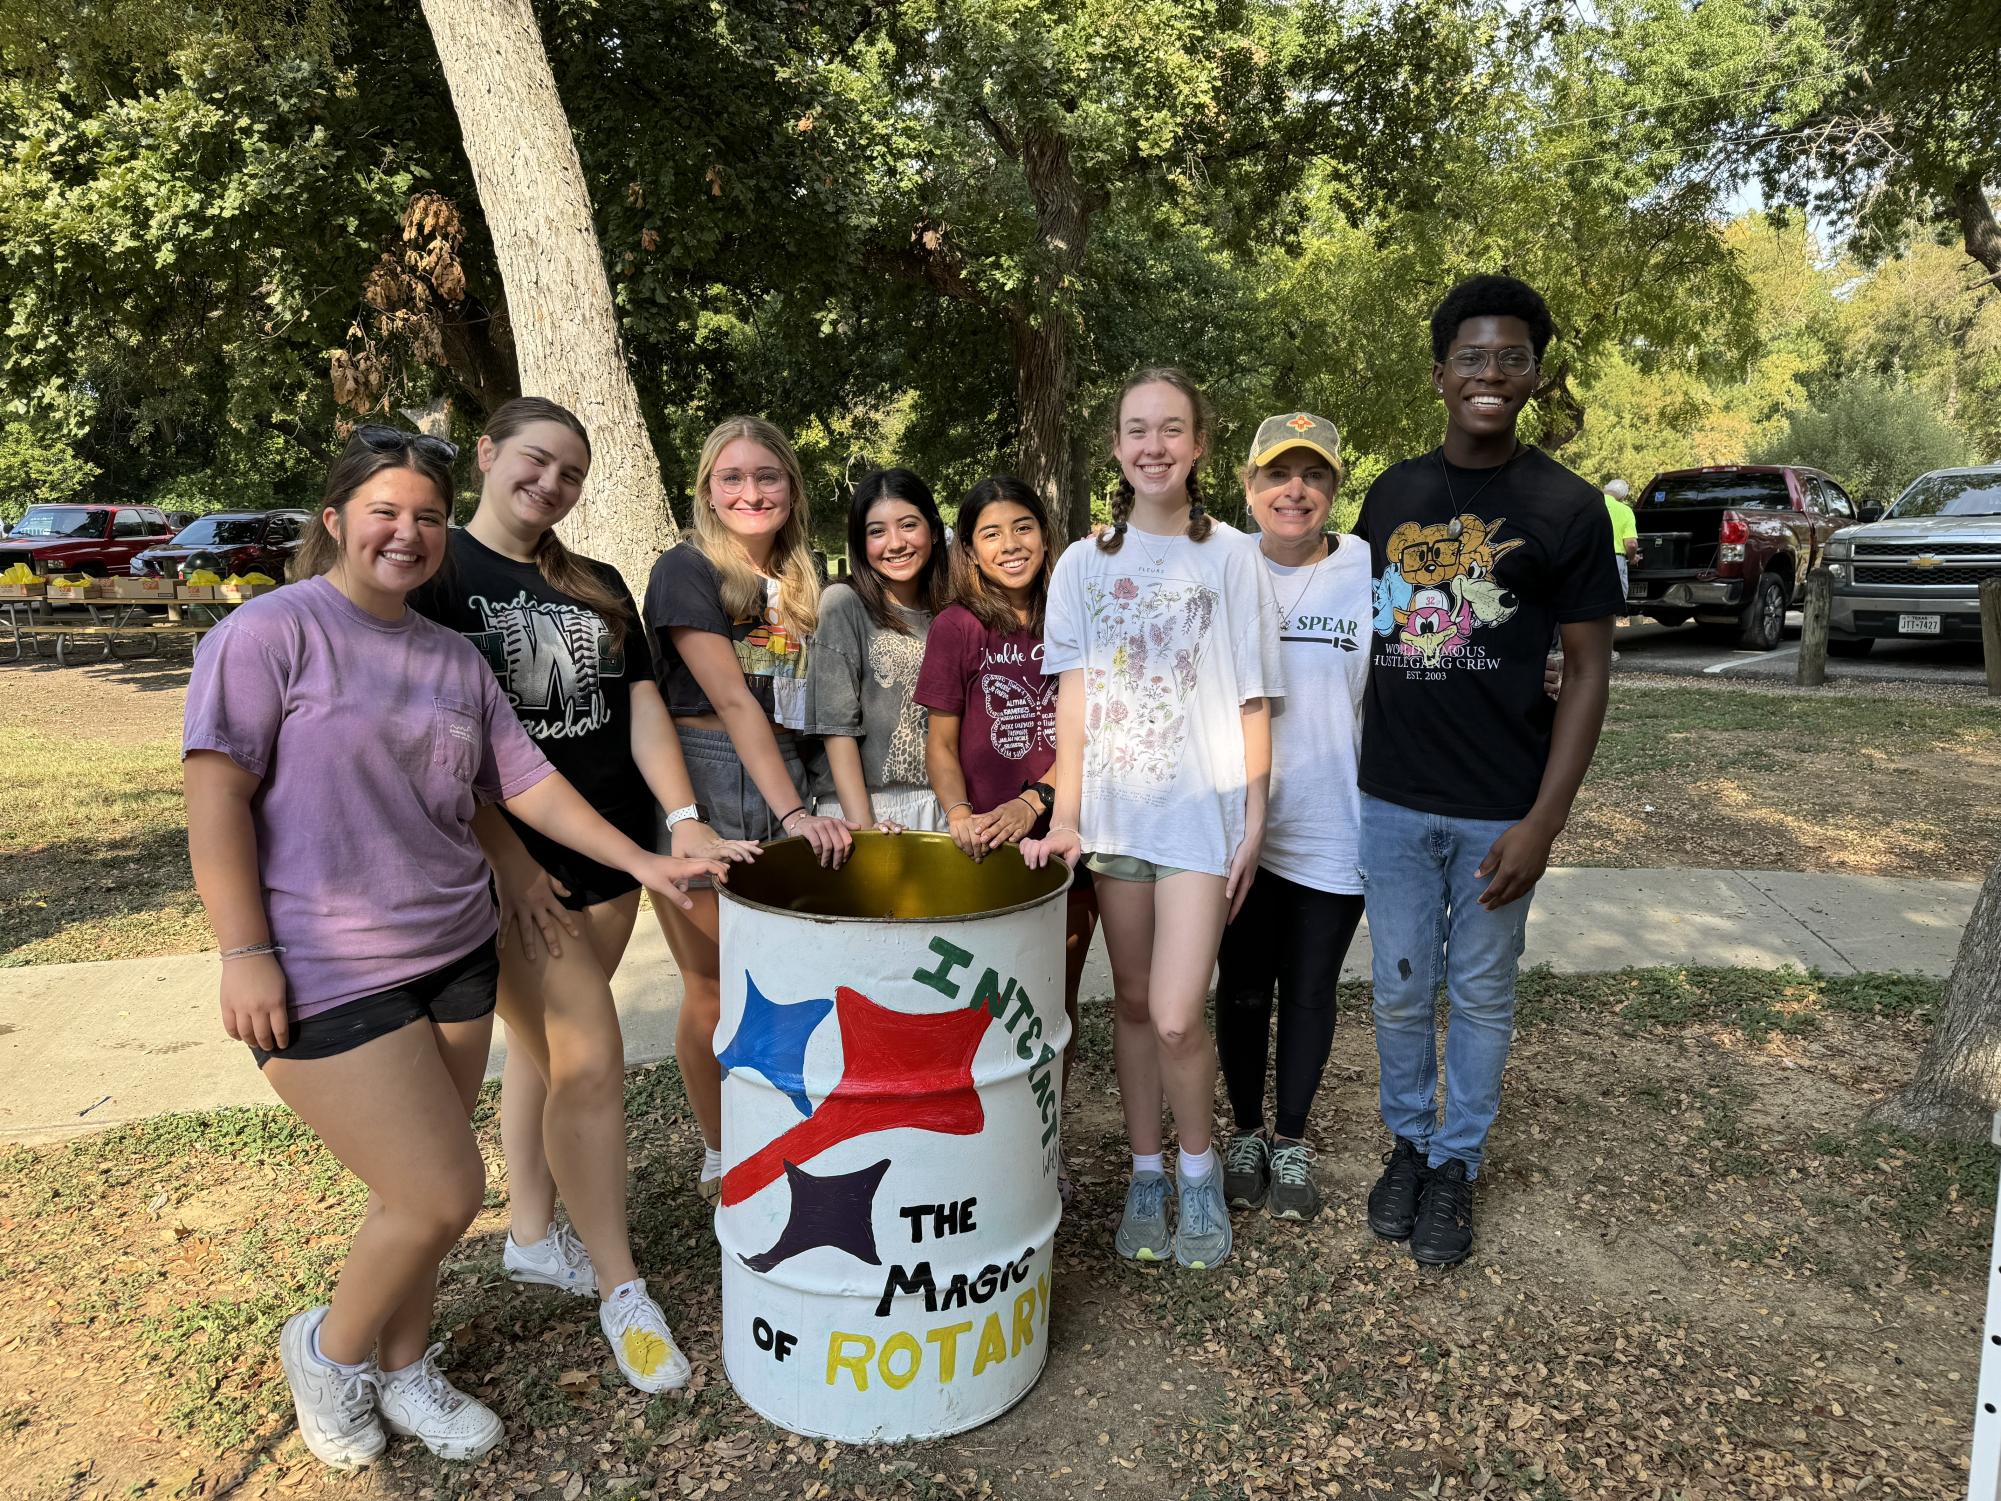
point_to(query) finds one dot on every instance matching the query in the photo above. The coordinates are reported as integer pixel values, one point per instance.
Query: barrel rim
(724, 893)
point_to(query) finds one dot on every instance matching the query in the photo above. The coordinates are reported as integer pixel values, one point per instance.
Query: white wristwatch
(682, 815)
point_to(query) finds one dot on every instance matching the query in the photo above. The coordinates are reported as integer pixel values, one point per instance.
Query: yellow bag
(20, 573)
(252, 578)
(202, 578)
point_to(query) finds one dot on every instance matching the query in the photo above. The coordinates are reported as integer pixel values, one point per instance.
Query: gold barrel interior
(892, 878)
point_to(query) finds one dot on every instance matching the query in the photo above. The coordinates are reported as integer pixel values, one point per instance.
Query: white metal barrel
(892, 1037)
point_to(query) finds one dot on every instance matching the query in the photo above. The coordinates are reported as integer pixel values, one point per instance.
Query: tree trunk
(1977, 223)
(1563, 413)
(1958, 1084)
(1045, 379)
(566, 342)
(1081, 449)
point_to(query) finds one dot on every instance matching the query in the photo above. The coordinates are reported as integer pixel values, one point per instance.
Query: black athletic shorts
(461, 991)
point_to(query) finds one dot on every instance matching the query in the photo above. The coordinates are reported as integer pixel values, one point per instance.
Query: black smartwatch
(1044, 793)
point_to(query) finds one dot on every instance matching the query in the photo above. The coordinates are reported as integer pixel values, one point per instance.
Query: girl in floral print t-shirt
(1163, 632)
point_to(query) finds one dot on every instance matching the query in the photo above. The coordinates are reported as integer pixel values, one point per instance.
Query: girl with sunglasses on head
(1160, 630)
(730, 611)
(337, 746)
(563, 636)
(866, 653)
(991, 740)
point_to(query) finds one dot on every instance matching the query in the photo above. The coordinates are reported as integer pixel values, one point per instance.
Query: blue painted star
(771, 1037)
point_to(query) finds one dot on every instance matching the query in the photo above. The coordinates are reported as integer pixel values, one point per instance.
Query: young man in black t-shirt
(1482, 552)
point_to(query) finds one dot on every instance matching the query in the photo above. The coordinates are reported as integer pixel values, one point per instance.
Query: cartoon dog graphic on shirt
(1438, 584)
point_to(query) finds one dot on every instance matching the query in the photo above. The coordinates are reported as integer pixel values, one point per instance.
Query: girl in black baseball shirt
(563, 636)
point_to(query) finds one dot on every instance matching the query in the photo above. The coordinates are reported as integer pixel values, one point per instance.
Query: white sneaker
(418, 1402)
(336, 1407)
(558, 1259)
(641, 1342)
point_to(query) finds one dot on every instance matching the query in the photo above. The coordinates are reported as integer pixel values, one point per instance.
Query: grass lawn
(93, 857)
(1703, 1275)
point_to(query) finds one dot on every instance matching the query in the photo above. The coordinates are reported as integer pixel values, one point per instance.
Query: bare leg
(1188, 913)
(396, 1112)
(1127, 910)
(524, 1100)
(559, 1013)
(692, 937)
(1080, 922)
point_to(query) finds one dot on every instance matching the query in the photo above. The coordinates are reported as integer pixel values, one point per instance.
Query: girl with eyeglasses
(562, 634)
(336, 749)
(731, 611)
(1160, 631)
(866, 654)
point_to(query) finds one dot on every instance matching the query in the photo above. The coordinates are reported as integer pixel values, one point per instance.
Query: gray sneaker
(1143, 1229)
(1247, 1171)
(1294, 1194)
(1202, 1236)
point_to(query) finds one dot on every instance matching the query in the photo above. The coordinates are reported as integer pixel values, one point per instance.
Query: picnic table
(25, 623)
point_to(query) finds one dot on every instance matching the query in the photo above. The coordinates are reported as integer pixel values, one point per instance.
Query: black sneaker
(1247, 1171)
(1393, 1201)
(1444, 1233)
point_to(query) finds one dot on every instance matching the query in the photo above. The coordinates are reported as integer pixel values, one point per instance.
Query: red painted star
(898, 1069)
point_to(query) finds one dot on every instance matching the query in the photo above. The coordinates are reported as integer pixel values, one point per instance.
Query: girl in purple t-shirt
(336, 748)
(992, 731)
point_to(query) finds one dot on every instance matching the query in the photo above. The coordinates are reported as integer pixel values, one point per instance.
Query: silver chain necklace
(1156, 562)
(1446, 475)
(1285, 611)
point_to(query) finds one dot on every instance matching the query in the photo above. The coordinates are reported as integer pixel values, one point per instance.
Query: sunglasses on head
(394, 440)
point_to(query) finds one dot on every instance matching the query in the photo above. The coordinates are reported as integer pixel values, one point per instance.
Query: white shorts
(913, 807)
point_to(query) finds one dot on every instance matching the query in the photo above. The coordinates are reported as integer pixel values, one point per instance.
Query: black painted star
(837, 1210)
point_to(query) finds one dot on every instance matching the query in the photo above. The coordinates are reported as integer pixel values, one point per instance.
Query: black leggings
(1297, 937)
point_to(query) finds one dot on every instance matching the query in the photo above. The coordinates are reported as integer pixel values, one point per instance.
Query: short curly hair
(1491, 297)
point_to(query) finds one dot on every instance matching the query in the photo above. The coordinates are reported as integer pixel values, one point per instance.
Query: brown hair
(561, 569)
(320, 549)
(792, 551)
(932, 591)
(969, 585)
(1113, 537)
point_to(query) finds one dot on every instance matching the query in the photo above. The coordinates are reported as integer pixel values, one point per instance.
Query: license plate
(1917, 625)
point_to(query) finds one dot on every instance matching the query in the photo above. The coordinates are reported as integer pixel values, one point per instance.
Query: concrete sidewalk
(85, 1046)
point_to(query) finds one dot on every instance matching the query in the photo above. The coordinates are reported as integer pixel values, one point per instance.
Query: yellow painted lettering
(947, 1341)
(855, 1365)
(900, 1344)
(1024, 1321)
(993, 1344)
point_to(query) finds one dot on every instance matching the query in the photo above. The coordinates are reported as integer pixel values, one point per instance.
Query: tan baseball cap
(1295, 430)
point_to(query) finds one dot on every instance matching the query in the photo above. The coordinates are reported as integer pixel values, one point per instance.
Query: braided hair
(1113, 537)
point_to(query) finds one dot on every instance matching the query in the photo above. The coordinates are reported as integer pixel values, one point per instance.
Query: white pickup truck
(1916, 574)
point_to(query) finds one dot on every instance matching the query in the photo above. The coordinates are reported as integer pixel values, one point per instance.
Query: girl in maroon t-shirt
(992, 735)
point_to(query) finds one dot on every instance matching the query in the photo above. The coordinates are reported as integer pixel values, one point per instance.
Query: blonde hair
(792, 550)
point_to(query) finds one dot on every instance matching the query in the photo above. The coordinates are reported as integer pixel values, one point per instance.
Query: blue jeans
(1426, 926)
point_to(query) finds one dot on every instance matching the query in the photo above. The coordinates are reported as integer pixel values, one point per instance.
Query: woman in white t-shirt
(1162, 630)
(1295, 926)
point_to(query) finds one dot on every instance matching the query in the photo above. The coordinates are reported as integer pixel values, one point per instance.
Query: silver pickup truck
(1916, 574)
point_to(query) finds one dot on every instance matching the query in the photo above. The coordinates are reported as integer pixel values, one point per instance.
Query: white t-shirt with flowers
(1172, 637)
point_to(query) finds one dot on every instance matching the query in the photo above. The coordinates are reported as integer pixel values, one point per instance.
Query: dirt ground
(1701, 1274)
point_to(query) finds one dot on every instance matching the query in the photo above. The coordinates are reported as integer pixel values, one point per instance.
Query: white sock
(547, 1231)
(1147, 1162)
(712, 1163)
(327, 1360)
(399, 1374)
(1195, 1169)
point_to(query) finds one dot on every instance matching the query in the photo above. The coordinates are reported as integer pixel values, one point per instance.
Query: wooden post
(1990, 632)
(1813, 629)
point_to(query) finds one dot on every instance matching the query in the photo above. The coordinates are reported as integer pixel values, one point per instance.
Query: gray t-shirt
(861, 684)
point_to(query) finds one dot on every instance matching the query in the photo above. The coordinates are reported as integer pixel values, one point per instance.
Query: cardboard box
(35, 590)
(194, 591)
(75, 591)
(158, 590)
(236, 594)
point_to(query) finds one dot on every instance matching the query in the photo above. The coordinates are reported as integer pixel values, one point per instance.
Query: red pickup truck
(95, 540)
(1731, 545)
